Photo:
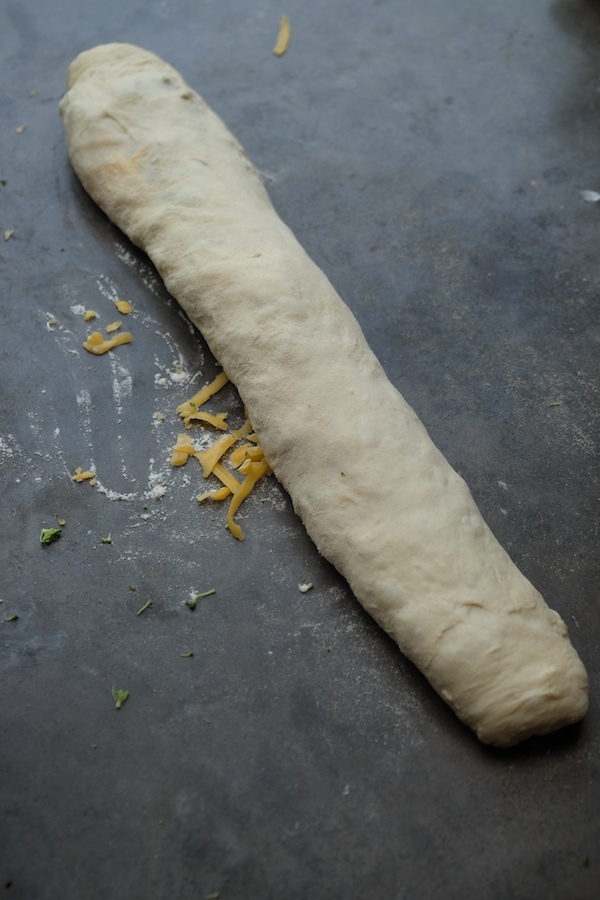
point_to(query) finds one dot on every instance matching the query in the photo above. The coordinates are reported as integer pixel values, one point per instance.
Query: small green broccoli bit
(193, 600)
(119, 697)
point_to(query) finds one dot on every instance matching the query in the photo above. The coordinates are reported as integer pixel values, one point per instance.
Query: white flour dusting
(125, 256)
(582, 440)
(172, 345)
(174, 374)
(6, 450)
(64, 337)
(114, 495)
(35, 425)
(122, 382)
(204, 440)
(107, 288)
(145, 272)
(179, 376)
(269, 491)
(84, 402)
(157, 483)
(157, 489)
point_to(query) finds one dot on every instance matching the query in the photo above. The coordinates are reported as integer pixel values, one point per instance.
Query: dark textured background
(430, 157)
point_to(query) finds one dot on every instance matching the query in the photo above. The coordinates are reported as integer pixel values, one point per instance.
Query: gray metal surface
(430, 157)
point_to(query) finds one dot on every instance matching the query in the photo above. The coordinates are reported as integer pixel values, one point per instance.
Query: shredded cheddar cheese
(190, 407)
(256, 471)
(248, 459)
(226, 477)
(183, 449)
(217, 420)
(238, 456)
(98, 344)
(80, 475)
(123, 306)
(90, 314)
(218, 494)
(209, 458)
(114, 326)
(283, 38)
(244, 431)
(246, 451)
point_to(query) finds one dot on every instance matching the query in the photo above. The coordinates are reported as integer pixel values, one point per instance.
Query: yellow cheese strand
(239, 455)
(225, 476)
(183, 449)
(209, 458)
(218, 494)
(200, 416)
(244, 431)
(80, 475)
(97, 344)
(283, 38)
(187, 409)
(256, 471)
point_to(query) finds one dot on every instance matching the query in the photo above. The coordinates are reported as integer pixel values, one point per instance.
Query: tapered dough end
(524, 679)
(106, 56)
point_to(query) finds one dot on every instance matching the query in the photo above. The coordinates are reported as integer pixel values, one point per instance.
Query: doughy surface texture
(374, 493)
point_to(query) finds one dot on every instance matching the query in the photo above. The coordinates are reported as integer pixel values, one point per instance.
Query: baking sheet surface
(431, 158)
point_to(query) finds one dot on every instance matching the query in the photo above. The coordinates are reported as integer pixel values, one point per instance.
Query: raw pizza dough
(376, 496)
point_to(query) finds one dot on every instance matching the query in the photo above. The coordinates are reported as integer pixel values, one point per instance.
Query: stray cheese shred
(283, 38)
(183, 449)
(80, 475)
(98, 344)
(114, 326)
(123, 306)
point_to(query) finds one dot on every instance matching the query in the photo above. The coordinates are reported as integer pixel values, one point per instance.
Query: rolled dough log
(375, 495)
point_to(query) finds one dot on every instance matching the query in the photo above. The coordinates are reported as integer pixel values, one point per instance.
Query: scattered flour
(146, 273)
(269, 491)
(175, 374)
(157, 483)
(114, 495)
(204, 440)
(6, 450)
(107, 288)
(122, 382)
